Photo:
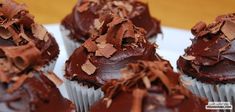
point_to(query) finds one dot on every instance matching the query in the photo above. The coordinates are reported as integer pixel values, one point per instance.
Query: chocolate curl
(229, 30)
(116, 31)
(138, 96)
(88, 67)
(20, 81)
(200, 26)
(83, 6)
(10, 8)
(39, 32)
(3, 76)
(4, 33)
(158, 72)
(54, 78)
(22, 56)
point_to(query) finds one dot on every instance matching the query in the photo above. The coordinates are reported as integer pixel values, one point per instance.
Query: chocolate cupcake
(102, 56)
(77, 25)
(148, 86)
(31, 92)
(19, 34)
(208, 65)
(24, 89)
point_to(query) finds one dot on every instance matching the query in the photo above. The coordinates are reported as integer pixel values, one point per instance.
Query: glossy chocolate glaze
(79, 23)
(124, 101)
(109, 67)
(22, 27)
(156, 99)
(36, 94)
(212, 52)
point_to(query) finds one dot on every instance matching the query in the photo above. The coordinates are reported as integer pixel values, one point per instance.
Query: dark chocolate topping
(17, 28)
(32, 92)
(102, 56)
(22, 89)
(148, 87)
(211, 57)
(84, 14)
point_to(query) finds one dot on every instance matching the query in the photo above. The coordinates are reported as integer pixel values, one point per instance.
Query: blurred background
(174, 13)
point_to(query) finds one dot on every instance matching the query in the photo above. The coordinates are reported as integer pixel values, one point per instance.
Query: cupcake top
(148, 87)
(86, 12)
(18, 30)
(211, 57)
(31, 92)
(116, 43)
(22, 88)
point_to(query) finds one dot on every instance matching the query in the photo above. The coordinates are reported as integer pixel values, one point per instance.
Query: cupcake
(77, 25)
(208, 65)
(101, 57)
(19, 34)
(148, 86)
(31, 92)
(24, 89)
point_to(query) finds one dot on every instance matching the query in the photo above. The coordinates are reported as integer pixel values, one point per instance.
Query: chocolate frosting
(18, 29)
(148, 87)
(102, 56)
(32, 92)
(22, 88)
(84, 14)
(211, 57)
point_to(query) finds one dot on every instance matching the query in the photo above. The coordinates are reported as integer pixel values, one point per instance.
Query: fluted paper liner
(214, 93)
(82, 96)
(70, 45)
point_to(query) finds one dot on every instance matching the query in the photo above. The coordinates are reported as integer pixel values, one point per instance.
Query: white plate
(171, 46)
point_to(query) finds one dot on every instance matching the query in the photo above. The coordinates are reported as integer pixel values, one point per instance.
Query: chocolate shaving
(90, 45)
(106, 50)
(138, 96)
(198, 28)
(108, 102)
(189, 57)
(54, 78)
(101, 39)
(229, 30)
(116, 34)
(17, 84)
(4, 33)
(10, 8)
(83, 7)
(147, 82)
(143, 72)
(116, 21)
(88, 67)
(3, 77)
(39, 32)
(215, 27)
(98, 24)
(7, 67)
(127, 6)
(28, 55)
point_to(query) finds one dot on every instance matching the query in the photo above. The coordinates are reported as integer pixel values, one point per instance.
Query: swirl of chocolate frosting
(148, 86)
(31, 92)
(18, 29)
(211, 57)
(84, 14)
(100, 58)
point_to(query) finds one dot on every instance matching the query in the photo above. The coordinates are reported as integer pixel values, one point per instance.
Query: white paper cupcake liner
(49, 67)
(82, 96)
(214, 93)
(70, 45)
